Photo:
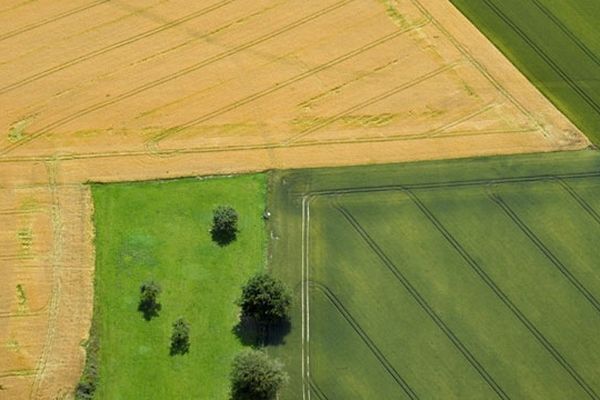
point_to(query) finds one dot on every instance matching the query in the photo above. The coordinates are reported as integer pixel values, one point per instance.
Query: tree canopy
(265, 299)
(224, 226)
(255, 376)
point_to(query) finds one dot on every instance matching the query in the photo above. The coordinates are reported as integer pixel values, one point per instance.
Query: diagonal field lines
(564, 270)
(423, 304)
(580, 200)
(47, 21)
(283, 84)
(125, 42)
(542, 54)
(317, 390)
(503, 297)
(371, 101)
(567, 32)
(170, 77)
(339, 305)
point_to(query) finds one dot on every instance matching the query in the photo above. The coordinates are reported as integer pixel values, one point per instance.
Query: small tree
(224, 227)
(149, 304)
(254, 376)
(180, 338)
(266, 300)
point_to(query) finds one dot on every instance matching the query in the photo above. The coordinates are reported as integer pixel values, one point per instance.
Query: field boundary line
(562, 361)
(460, 346)
(542, 54)
(167, 78)
(454, 184)
(280, 85)
(265, 146)
(385, 363)
(526, 230)
(55, 18)
(54, 304)
(305, 351)
(111, 47)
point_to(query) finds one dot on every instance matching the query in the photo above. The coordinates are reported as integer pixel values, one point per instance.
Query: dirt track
(131, 90)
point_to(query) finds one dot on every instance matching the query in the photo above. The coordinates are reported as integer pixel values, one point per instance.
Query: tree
(224, 227)
(180, 338)
(254, 376)
(149, 304)
(265, 299)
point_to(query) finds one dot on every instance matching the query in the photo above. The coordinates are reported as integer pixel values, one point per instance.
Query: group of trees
(223, 230)
(150, 307)
(255, 376)
(265, 301)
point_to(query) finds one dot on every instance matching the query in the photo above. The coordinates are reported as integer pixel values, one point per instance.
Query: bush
(224, 227)
(180, 338)
(255, 376)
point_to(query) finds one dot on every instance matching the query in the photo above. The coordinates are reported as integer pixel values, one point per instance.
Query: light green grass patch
(160, 231)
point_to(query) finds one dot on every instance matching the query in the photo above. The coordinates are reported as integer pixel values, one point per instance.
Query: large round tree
(224, 225)
(265, 299)
(255, 376)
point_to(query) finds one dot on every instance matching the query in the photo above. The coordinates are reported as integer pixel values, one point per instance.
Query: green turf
(467, 279)
(159, 231)
(555, 43)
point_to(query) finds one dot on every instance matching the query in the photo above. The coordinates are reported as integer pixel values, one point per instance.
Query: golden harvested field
(139, 89)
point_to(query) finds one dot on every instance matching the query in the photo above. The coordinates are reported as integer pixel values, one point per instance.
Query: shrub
(254, 376)
(149, 305)
(180, 338)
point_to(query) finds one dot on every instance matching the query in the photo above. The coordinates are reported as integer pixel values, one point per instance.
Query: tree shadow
(223, 237)
(249, 333)
(149, 310)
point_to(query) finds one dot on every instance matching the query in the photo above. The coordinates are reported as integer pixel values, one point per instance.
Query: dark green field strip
(563, 226)
(474, 296)
(562, 62)
(551, 308)
(340, 360)
(508, 343)
(466, 172)
(387, 314)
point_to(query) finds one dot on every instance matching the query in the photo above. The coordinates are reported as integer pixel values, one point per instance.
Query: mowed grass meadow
(160, 231)
(555, 43)
(473, 279)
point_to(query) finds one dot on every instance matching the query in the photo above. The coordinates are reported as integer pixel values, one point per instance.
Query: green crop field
(555, 43)
(159, 231)
(466, 279)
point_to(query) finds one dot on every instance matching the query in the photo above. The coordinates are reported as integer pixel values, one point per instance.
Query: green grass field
(555, 43)
(159, 231)
(467, 279)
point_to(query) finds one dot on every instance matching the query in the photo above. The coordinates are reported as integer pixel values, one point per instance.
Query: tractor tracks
(425, 306)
